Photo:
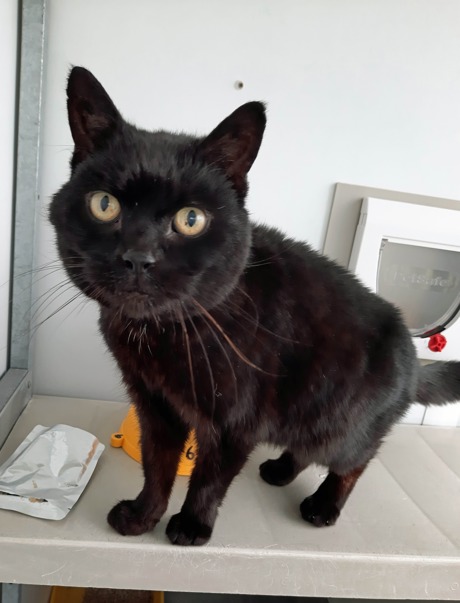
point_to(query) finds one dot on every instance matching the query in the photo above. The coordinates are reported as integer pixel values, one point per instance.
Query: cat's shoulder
(268, 240)
(297, 264)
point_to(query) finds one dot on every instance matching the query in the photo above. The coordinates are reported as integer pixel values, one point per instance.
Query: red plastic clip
(437, 342)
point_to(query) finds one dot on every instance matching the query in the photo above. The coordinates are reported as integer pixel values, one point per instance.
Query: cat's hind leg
(283, 470)
(323, 507)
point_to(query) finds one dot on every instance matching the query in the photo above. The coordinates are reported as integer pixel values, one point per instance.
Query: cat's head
(152, 220)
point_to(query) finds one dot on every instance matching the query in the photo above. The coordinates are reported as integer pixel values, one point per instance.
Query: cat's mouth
(134, 304)
(140, 306)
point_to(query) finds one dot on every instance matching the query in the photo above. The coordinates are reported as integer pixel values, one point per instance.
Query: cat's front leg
(162, 441)
(219, 460)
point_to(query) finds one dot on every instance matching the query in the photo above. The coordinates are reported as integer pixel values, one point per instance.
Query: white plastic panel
(415, 415)
(443, 416)
(8, 44)
(412, 225)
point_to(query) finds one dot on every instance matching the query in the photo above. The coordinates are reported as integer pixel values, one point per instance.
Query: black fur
(241, 333)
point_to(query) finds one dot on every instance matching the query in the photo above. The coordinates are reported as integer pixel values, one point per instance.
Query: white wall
(362, 91)
(8, 44)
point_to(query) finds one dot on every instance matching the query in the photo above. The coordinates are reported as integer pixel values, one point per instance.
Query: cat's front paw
(129, 519)
(318, 512)
(187, 530)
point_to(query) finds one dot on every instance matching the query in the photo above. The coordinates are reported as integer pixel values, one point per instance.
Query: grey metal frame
(16, 384)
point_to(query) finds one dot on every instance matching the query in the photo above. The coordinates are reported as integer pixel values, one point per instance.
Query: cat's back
(298, 267)
(313, 289)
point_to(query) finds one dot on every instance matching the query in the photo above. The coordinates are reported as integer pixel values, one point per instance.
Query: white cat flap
(410, 255)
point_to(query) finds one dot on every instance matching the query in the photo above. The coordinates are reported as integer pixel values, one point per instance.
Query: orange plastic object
(129, 435)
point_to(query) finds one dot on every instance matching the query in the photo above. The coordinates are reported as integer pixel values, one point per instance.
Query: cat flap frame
(414, 229)
(16, 383)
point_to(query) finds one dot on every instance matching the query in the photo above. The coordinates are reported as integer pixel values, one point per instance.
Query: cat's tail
(439, 383)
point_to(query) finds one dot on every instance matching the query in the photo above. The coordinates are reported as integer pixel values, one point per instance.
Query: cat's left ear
(234, 144)
(93, 118)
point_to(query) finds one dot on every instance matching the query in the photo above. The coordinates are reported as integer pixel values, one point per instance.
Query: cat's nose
(138, 261)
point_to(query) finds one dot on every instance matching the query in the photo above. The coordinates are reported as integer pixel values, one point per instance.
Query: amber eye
(190, 221)
(104, 206)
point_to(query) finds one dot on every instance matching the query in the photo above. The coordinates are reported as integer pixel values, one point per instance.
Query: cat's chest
(183, 363)
(147, 351)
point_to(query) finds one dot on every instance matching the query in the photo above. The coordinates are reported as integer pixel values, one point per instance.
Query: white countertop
(398, 536)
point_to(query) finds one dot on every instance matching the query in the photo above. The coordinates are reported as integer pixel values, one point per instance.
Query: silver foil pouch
(47, 473)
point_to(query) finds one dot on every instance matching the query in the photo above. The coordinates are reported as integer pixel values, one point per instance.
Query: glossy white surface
(398, 536)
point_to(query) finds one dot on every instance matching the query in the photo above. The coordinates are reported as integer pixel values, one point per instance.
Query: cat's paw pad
(277, 472)
(318, 512)
(187, 530)
(129, 520)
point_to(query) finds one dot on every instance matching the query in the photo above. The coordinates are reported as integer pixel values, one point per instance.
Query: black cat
(222, 325)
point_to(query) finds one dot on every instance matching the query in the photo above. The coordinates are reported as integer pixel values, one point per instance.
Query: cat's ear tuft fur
(234, 144)
(93, 118)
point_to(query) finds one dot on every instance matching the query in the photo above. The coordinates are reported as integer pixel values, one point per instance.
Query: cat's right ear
(93, 118)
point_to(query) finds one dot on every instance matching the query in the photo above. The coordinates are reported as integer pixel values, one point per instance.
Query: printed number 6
(190, 454)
